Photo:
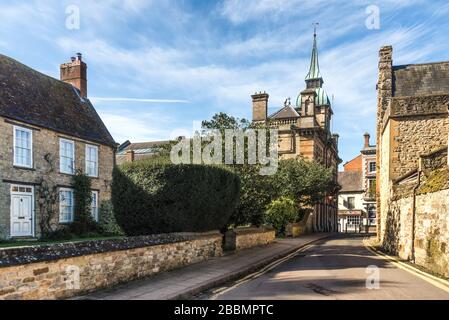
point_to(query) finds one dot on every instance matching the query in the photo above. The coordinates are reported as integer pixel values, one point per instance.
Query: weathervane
(315, 25)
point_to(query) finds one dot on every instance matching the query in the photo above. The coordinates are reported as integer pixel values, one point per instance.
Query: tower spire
(314, 70)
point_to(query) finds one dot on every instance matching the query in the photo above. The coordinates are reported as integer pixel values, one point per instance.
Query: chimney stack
(260, 106)
(75, 73)
(130, 156)
(367, 137)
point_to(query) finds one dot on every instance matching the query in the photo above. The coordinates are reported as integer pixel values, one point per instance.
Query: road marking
(261, 272)
(435, 281)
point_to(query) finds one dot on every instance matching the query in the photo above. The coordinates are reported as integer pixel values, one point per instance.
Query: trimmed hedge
(152, 198)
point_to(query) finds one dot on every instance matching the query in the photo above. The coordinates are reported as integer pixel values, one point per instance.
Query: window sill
(24, 168)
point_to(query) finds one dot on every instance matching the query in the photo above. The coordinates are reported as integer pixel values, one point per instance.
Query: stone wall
(431, 230)
(46, 142)
(124, 260)
(243, 238)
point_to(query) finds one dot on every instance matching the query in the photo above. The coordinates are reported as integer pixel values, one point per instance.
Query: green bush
(281, 212)
(151, 198)
(82, 192)
(107, 222)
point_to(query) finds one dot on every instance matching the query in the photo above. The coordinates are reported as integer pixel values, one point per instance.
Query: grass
(25, 243)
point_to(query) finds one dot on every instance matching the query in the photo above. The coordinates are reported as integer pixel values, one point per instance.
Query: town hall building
(305, 130)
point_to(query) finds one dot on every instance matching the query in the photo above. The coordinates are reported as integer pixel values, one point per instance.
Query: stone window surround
(61, 169)
(19, 128)
(65, 221)
(87, 160)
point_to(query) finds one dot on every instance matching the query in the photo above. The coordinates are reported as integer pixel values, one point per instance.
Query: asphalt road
(333, 269)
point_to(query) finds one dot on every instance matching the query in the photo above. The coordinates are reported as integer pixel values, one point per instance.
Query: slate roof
(420, 79)
(141, 147)
(285, 112)
(29, 96)
(350, 181)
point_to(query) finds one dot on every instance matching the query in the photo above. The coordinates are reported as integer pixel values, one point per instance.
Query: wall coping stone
(50, 252)
(249, 230)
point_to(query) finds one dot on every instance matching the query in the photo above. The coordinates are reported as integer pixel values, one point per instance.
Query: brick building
(48, 130)
(356, 199)
(305, 130)
(413, 172)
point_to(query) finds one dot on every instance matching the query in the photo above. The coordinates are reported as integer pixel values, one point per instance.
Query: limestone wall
(46, 146)
(243, 238)
(431, 230)
(75, 274)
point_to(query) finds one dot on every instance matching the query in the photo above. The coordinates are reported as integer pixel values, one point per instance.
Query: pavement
(336, 268)
(186, 282)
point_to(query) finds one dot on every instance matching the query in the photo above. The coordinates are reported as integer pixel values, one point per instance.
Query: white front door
(22, 213)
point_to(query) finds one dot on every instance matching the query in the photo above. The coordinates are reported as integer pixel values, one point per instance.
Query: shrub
(281, 212)
(83, 221)
(151, 198)
(107, 222)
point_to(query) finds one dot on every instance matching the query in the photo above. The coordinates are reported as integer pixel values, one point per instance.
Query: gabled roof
(285, 112)
(141, 147)
(31, 97)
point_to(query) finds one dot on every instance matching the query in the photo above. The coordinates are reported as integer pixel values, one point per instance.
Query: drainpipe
(414, 213)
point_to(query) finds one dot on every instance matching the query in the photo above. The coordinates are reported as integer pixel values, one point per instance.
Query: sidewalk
(193, 279)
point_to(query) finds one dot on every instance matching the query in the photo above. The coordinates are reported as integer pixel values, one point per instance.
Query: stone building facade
(48, 131)
(305, 130)
(412, 138)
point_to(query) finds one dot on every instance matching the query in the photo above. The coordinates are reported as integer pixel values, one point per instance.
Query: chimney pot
(73, 59)
(79, 56)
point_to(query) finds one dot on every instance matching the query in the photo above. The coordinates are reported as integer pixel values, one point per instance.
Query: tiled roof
(419, 79)
(31, 97)
(350, 181)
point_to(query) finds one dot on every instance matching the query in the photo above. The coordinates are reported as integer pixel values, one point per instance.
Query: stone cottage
(48, 131)
(413, 171)
(305, 130)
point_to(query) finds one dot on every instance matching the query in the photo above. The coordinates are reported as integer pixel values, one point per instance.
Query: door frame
(33, 213)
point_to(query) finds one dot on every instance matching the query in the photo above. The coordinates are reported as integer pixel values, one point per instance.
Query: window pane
(22, 150)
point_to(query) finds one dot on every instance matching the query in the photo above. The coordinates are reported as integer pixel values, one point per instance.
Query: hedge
(152, 198)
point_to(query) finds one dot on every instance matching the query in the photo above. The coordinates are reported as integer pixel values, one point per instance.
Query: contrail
(93, 99)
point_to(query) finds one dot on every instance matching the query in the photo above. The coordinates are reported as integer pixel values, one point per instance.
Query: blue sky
(187, 60)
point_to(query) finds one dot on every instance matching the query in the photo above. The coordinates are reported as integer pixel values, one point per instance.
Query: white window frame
(15, 128)
(369, 167)
(89, 146)
(94, 210)
(61, 169)
(60, 205)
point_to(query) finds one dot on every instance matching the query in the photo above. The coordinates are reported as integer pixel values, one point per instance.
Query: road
(334, 269)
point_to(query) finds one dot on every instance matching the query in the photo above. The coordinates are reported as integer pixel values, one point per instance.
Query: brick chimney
(260, 106)
(130, 156)
(75, 73)
(367, 137)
